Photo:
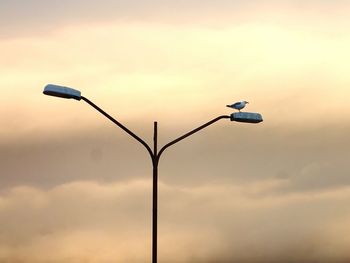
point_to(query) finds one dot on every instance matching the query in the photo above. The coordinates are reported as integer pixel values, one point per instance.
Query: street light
(69, 93)
(250, 117)
(62, 92)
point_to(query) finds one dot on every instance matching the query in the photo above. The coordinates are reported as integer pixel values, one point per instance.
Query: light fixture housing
(249, 117)
(62, 92)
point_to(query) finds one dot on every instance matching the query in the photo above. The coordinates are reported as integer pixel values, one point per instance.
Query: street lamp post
(69, 93)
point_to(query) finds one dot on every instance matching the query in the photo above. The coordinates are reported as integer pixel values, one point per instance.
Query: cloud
(35, 17)
(307, 158)
(93, 222)
(74, 188)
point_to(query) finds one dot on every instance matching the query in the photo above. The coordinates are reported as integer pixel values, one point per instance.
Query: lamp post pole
(64, 92)
(155, 161)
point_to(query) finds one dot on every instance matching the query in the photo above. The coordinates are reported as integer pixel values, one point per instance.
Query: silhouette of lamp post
(69, 93)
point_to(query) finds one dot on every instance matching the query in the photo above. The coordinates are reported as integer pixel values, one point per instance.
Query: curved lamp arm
(190, 133)
(119, 124)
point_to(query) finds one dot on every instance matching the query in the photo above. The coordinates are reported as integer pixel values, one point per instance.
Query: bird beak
(247, 102)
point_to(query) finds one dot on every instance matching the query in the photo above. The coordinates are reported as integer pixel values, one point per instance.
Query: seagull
(238, 105)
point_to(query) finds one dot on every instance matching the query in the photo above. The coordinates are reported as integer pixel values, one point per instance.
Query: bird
(238, 105)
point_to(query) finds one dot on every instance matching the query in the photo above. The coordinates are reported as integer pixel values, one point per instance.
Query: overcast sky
(74, 188)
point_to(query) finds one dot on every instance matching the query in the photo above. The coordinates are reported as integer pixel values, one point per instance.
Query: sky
(75, 188)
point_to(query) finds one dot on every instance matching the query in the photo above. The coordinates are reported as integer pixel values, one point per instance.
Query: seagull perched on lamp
(238, 105)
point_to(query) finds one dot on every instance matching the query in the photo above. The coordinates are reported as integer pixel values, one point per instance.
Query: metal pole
(190, 133)
(155, 195)
(118, 124)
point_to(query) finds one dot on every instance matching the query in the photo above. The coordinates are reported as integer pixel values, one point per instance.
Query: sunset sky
(75, 188)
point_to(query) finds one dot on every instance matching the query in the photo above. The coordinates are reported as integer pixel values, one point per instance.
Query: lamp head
(62, 92)
(249, 117)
